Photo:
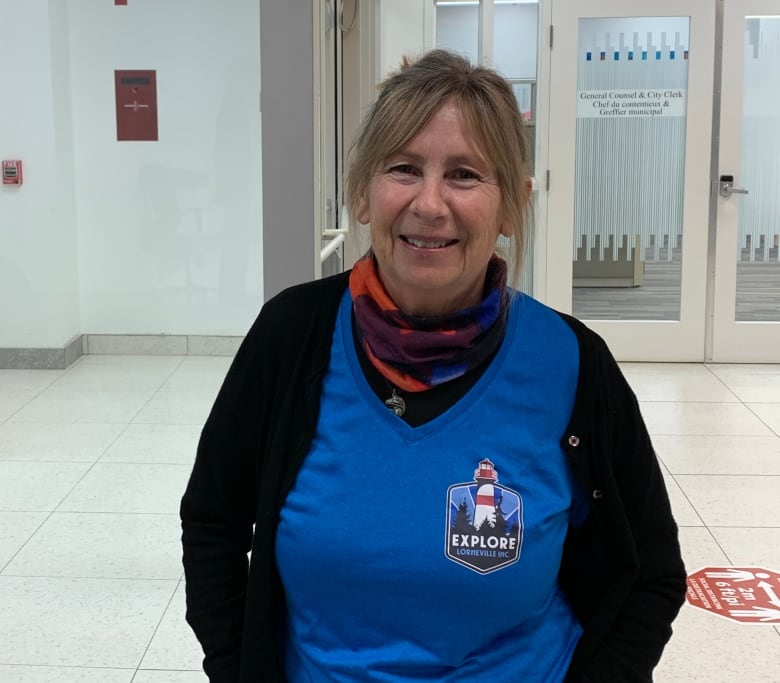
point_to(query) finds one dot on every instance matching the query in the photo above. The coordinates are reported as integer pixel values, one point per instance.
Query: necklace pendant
(396, 404)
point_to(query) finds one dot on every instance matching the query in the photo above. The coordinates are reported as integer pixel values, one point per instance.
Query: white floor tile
(12, 403)
(128, 487)
(62, 442)
(702, 418)
(202, 374)
(155, 443)
(16, 528)
(676, 382)
(682, 509)
(119, 373)
(177, 407)
(103, 545)
(756, 383)
(750, 547)
(37, 486)
(79, 622)
(726, 500)
(63, 674)
(700, 549)
(710, 649)
(701, 454)
(144, 676)
(174, 646)
(27, 381)
(769, 413)
(62, 405)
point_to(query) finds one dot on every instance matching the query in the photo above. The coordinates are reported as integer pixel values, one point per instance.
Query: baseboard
(116, 344)
(42, 359)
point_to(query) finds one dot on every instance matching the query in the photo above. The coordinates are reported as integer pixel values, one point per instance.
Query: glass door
(747, 282)
(629, 147)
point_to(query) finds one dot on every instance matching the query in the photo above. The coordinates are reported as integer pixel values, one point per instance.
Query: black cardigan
(621, 568)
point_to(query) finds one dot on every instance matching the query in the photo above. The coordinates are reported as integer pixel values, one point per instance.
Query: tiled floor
(93, 461)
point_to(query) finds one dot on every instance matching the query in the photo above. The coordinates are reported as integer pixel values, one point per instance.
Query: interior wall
(109, 237)
(289, 213)
(38, 258)
(169, 232)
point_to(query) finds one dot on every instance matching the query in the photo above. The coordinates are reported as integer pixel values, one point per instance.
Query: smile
(423, 244)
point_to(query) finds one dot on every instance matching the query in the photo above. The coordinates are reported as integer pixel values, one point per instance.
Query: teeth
(427, 245)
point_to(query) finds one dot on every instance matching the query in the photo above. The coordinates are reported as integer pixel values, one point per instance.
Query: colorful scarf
(416, 353)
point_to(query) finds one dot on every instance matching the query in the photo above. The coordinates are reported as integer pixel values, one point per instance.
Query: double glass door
(651, 238)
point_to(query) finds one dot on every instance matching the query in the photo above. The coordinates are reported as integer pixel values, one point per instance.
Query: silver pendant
(396, 404)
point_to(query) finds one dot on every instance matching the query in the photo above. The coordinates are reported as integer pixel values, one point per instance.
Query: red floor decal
(749, 595)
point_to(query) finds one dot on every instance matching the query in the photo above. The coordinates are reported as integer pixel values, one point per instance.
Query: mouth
(428, 244)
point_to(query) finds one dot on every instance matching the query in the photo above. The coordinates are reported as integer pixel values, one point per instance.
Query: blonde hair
(411, 96)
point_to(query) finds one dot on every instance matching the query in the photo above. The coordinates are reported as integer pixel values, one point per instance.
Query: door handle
(727, 186)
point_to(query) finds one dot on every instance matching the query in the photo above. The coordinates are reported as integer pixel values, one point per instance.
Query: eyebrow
(475, 160)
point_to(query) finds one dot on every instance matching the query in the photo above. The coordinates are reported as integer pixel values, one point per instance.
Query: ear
(362, 212)
(506, 229)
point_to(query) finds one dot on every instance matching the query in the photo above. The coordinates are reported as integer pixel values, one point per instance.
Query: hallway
(93, 461)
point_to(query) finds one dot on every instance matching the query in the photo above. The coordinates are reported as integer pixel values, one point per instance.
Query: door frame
(734, 341)
(681, 340)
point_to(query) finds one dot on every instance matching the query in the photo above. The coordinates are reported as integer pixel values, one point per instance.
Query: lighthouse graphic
(486, 476)
(484, 522)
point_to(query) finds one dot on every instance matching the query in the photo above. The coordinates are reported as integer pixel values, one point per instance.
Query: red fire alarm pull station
(136, 105)
(12, 172)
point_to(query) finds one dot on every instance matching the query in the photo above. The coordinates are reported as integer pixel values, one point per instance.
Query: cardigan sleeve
(217, 514)
(631, 536)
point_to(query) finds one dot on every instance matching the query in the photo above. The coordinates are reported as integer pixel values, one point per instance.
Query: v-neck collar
(375, 403)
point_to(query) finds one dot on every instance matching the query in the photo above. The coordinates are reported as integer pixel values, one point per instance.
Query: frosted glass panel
(515, 39)
(632, 83)
(758, 268)
(457, 29)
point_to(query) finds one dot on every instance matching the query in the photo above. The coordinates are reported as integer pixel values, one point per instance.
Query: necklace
(396, 404)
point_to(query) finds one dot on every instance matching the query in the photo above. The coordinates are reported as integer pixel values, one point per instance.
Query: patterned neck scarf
(416, 353)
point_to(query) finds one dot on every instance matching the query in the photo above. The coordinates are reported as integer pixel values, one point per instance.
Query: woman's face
(435, 212)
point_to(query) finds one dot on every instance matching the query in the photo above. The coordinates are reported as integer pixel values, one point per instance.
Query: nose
(429, 203)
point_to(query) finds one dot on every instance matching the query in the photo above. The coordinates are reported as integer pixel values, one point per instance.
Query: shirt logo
(484, 522)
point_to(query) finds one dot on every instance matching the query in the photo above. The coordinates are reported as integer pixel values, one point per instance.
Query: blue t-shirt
(431, 553)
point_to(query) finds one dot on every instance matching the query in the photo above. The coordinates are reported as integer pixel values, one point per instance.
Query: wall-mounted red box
(12, 172)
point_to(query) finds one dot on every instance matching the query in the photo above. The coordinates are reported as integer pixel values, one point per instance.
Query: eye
(403, 169)
(464, 174)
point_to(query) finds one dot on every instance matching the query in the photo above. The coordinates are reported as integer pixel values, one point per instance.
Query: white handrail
(336, 235)
(333, 232)
(331, 246)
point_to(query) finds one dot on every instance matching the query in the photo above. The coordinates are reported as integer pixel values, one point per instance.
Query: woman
(439, 478)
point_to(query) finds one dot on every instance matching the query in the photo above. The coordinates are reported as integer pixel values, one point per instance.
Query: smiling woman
(482, 110)
(463, 468)
(435, 212)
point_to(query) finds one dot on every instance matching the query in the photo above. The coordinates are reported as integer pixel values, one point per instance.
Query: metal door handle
(727, 187)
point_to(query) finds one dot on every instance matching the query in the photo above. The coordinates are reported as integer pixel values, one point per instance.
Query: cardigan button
(597, 494)
(574, 441)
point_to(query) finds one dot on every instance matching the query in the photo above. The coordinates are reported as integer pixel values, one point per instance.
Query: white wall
(169, 231)
(38, 263)
(129, 237)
